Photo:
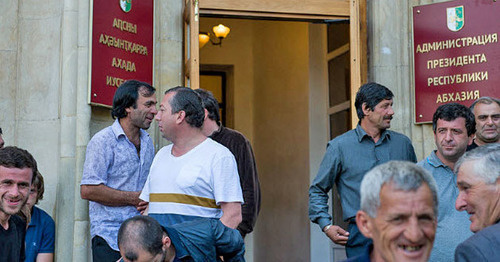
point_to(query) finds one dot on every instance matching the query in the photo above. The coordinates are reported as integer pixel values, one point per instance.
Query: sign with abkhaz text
(456, 53)
(121, 46)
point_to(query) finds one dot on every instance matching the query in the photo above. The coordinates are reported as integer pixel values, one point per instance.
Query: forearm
(45, 257)
(231, 216)
(108, 196)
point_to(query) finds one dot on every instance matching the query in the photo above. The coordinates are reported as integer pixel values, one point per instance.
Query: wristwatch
(326, 228)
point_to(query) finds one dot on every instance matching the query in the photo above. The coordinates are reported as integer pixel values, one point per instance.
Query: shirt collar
(118, 130)
(35, 217)
(434, 160)
(180, 250)
(361, 133)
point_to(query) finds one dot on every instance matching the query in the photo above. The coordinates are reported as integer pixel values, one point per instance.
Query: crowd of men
(197, 197)
(401, 220)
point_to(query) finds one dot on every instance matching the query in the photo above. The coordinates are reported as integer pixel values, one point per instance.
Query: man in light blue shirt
(116, 166)
(454, 128)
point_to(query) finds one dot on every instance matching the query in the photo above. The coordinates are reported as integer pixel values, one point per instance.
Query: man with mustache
(116, 166)
(478, 179)
(347, 159)
(399, 212)
(487, 113)
(453, 125)
(17, 172)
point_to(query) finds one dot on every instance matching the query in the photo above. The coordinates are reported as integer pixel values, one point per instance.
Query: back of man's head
(185, 99)
(14, 157)
(486, 162)
(209, 103)
(452, 111)
(371, 94)
(127, 94)
(140, 233)
(405, 176)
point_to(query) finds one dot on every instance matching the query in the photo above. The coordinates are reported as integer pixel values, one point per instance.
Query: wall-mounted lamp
(220, 32)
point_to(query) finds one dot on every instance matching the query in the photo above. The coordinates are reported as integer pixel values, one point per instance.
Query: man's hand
(141, 206)
(337, 235)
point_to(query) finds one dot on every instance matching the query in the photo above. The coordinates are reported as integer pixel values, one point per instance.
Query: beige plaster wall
(281, 139)
(390, 50)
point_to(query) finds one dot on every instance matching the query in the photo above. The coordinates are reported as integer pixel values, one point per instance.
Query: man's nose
(413, 232)
(391, 111)
(460, 203)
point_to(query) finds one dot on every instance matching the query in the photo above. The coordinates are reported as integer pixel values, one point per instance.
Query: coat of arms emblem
(455, 18)
(126, 5)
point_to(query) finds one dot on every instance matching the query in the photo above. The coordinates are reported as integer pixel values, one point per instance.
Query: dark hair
(1, 133)
(209, 103)
(371, 94)
(452, 111)
(40, 187)
(14, 157)
(140, 231)
(185, 99)
(126, 96)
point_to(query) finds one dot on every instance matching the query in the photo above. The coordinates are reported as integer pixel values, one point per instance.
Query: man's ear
(181, 115)
(206, 114)
(366, 109)
(364, 223)
(471, 138)
(166, 242)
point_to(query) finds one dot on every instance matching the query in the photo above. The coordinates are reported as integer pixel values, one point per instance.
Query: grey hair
(484, 100)
(403, 175)
(486, 162)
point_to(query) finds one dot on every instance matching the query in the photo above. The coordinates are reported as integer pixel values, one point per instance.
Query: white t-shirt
(193, 184)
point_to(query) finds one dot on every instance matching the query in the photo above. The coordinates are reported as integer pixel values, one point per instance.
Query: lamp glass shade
(203, 38)
(221, 31)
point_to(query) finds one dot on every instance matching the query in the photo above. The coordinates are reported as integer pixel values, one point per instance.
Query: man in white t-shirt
(194, 176)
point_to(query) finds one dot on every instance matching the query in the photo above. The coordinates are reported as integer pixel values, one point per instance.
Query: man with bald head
(142, 238)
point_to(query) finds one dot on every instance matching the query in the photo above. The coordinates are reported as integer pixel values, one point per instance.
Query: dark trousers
(102, 252)
(357, 243)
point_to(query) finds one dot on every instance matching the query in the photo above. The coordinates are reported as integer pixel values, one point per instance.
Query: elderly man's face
(404, 227)
(480, 199)
(487, 122)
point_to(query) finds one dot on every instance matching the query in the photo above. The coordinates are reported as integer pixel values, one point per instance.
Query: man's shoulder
(45, 218)
(18, 221)
(229, 135)
(345, 138)
(104, 135)
(489, 235)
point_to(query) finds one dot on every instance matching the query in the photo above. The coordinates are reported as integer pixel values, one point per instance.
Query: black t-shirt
(12, 240)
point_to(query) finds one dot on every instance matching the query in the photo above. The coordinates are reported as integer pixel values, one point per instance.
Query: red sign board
(122, 46)
(456, 51)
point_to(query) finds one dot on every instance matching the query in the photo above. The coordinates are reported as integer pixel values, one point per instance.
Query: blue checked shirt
(112, 160)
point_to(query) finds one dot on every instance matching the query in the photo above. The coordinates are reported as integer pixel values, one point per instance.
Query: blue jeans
(357, 243)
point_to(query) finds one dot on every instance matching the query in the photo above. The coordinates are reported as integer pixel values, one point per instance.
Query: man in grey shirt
(349, 157)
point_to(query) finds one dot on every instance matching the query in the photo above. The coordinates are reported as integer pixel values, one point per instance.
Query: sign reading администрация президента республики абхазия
(456, 54)
(121, 46)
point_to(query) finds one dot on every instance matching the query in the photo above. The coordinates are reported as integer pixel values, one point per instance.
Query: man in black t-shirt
(17, 169)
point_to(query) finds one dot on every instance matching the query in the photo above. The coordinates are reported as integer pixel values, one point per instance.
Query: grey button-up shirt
(347, 159)
(112, 160)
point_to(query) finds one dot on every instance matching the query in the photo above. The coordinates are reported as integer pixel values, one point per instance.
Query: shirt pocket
(188, 176)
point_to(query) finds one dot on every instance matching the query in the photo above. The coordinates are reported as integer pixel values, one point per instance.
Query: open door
(312, 10)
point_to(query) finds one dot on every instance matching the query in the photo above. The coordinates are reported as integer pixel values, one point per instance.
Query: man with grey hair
(399, 206)
(487, 113)
(478, 179)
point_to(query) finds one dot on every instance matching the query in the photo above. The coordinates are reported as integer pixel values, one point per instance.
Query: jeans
(101, 252)
(357, 243)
